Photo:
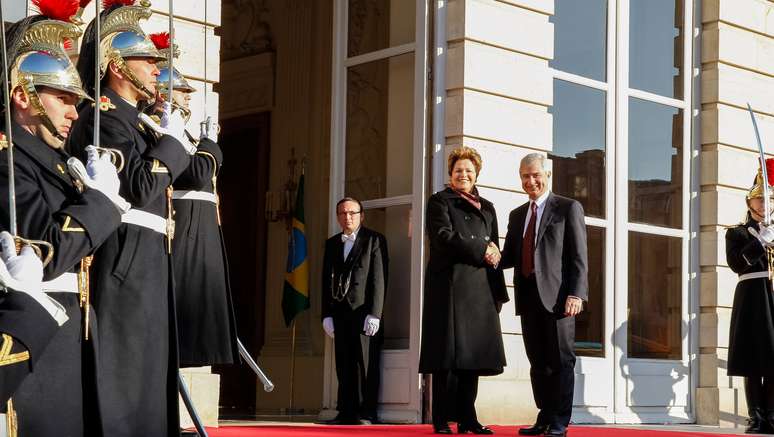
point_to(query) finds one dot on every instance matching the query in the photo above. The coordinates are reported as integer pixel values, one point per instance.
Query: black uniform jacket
(460, 323)
(561, 257)
(50, 208)
(363, 274)
(26, 329)
(205, 315)
(131, 276)
(751, 340)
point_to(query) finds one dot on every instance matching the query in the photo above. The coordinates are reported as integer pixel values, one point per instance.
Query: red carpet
(424, 430)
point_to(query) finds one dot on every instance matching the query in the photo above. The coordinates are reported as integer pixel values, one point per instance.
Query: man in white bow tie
(354, 283)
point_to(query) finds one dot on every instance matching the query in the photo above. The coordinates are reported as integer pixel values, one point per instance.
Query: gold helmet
(37, 54)
(756, 191)
(164, 46)
(121, 38)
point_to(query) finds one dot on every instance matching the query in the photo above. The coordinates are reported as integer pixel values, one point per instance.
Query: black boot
(767, 426)
(757, 422)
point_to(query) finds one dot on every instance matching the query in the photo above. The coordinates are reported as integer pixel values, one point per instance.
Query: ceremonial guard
(75, 217)
(205, 316)
(29, 318)
(134, 298)
(354, 285)
(750, 254)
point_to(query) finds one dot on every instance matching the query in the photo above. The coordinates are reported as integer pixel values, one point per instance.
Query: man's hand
(765, 235)
(99, 174)
(172, 124)
(492, 255)
(573, 306)
(370, 325)
(23, 273)
(327, 325)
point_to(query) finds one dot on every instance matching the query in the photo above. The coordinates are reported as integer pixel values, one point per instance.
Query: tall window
(628, 116)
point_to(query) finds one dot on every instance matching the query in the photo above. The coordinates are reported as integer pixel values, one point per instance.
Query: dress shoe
(475, 428)
(536, 429)
(767, 426)
(556, 431)
(442, 429)
(343, 420)
(756, 422)
(187, 433)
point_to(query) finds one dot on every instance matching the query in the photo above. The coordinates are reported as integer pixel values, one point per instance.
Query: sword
(766, 199)
(171, 77)
(190, 406)
(267, 384)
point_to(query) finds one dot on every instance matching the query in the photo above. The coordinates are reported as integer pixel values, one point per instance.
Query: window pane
(578, 156)
(655, 164)
(380, 117)
(378, 24)
(580, 37)
(395, 223)
(656, 46)
(590, 324)
(655, 293)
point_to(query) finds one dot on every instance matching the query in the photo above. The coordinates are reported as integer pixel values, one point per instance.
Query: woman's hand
(492, 255)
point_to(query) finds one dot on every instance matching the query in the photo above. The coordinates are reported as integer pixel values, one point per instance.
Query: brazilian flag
(295, 295)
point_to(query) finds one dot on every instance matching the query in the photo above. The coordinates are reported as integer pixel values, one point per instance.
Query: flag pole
(292, 365)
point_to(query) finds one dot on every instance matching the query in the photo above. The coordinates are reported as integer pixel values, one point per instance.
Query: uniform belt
(195, 195)
(146, 220)
(65, 283)
(754, 275)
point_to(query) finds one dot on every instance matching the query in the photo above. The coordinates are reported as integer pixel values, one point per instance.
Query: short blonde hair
(465, 152)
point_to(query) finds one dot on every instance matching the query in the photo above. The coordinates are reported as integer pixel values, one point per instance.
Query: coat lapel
(548, 214)
(354, 254)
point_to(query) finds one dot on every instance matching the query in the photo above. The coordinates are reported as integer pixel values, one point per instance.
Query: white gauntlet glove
(99, 174)
(328, 326)
(172, 124)
(23, 273)
(765, 235)
(371, 325)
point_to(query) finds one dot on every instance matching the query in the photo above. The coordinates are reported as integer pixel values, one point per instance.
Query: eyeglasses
(348, 213)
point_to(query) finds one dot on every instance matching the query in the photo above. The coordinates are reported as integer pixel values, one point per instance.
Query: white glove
(208, 129)
(23, 273)
(371, 325)
(172, 124)
(765, 235)
(99, 174)
(328, 326)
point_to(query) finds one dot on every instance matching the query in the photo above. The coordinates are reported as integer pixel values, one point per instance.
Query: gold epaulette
(105, 104)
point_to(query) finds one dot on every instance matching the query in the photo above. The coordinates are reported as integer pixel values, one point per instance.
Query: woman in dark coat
(751, 343)
(464, 291)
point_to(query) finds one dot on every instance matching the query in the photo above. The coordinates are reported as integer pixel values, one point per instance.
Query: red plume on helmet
(84, 3)
(161, 40)
(770, 170)
(61, 10)
(107, 4)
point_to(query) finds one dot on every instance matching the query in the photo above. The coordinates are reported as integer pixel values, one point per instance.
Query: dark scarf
(472, 197)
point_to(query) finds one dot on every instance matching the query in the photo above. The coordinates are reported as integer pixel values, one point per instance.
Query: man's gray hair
(531, 158)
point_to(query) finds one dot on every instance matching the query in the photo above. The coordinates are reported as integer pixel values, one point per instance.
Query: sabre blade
(267, 384)
(97, 90)
(8, 134)
(171, 51)
(766, 198)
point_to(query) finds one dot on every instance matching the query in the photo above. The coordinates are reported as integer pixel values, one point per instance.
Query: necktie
(350, 237)
(349, 241)
(528, 245)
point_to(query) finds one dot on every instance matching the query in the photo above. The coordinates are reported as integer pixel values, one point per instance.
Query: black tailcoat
(560, 270)
(364, 274)
(133, 287)
(460, 323)
(205, 315)
(50, 208)
(751, 341)
(26, 330)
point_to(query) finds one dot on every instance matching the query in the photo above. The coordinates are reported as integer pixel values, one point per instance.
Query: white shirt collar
(540, 201)
(353, 233)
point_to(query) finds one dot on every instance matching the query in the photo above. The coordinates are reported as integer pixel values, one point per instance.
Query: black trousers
(759, 392)
(358, 364)
(454, 397)
(549, 339)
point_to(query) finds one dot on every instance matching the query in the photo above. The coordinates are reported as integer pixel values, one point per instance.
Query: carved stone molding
(246, 85)
(248, 32)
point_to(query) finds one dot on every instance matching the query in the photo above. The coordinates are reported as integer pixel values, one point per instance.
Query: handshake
(764, 234)
(492, 255)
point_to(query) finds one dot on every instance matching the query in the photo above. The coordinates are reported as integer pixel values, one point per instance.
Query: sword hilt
(37, 246)
(116, 156)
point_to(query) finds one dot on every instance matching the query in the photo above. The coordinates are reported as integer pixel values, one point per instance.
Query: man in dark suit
(546, 243)
(354, 282)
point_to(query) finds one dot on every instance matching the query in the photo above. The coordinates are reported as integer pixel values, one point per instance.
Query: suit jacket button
(473, 237)
(486, 238)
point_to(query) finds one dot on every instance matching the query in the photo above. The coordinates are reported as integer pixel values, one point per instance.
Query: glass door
(377, 157)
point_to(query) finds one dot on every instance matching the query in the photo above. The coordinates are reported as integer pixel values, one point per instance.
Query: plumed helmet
(121, 38)
(163, 45)
(756, 191)
(37, 53)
